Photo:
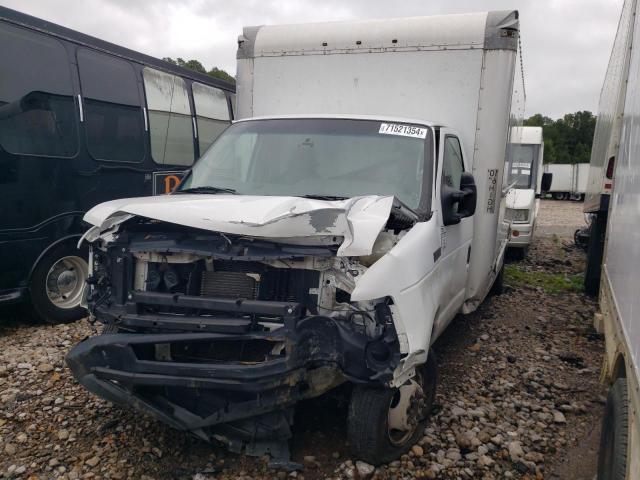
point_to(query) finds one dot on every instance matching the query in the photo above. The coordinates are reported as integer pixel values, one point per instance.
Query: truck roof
(344, 117)
(438, 32)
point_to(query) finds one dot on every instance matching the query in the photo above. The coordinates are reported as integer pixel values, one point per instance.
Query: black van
(83, 121)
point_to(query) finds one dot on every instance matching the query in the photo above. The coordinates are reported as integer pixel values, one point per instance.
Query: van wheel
(57, 283)
(384, 423)
(612, 458)
(559, 195)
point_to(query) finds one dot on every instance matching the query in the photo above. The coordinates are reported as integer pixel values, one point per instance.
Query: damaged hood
(358, 220)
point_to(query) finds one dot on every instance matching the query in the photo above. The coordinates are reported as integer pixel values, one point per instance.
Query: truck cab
(329, 235)
(524, 180)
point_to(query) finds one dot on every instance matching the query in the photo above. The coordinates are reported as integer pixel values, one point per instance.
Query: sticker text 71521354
(403, 130)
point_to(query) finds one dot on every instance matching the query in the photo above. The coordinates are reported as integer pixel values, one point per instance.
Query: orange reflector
(515, 233)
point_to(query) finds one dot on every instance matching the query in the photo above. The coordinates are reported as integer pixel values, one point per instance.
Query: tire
(517, 254)
(595, 250)
(558, 195)
(614, 439)
(498, 285)
(56, 284)
(368, 432)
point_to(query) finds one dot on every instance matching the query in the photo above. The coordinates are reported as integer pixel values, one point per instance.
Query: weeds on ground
(550, 282)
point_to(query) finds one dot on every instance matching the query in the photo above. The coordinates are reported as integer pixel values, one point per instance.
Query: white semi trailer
(606, 142)
(569, 180)
(619, 457)
(330, 235)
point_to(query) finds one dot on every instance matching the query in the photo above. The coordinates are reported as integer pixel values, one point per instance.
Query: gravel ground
(518, 396)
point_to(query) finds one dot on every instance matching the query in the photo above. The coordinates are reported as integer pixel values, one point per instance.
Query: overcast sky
(566, 43)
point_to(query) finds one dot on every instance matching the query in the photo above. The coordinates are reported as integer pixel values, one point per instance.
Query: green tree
(567, 139)
(197, 66)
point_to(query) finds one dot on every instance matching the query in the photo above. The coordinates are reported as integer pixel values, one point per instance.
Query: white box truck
(526, 182)
(569, 180)
(606, 142)
(619, 320)
(328, 236)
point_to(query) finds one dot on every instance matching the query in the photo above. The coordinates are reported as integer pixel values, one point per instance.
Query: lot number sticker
(402, 130)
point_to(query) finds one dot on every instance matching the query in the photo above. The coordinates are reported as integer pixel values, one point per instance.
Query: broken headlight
(517, 215)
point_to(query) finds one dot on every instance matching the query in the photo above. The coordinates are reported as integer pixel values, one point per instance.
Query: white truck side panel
(622, 251)
(610, 110)
(562, 177)
(488, 168)
(347, 83)
(581, 177)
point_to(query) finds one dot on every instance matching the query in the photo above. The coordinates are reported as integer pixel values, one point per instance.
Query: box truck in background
(619, 320)
(526, 182)
(328, 236)
(569, 180)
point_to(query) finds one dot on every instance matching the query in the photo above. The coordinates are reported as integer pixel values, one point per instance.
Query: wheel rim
(406, 411)
(65, 281)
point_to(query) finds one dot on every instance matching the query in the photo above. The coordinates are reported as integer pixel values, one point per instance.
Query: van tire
(614, 439)
(367, 423)
(63, 259)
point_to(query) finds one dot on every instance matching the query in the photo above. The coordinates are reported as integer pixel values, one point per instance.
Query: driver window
(452, 165)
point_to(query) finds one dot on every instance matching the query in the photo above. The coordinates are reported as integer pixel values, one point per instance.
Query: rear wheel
(614, 439)
(57, 283)
(559, 195)
(384, 423)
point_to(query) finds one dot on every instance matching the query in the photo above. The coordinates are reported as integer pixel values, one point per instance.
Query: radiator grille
(229, 285)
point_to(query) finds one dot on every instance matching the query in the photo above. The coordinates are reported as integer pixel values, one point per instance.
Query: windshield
(319, 157)
(521, 165)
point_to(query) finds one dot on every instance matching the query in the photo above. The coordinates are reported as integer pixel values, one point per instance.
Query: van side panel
(492, 132)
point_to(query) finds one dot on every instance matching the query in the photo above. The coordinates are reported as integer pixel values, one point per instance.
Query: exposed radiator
(229, 285)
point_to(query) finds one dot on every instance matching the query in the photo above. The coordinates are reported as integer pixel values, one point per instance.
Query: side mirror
(545, 184)
(459, 204)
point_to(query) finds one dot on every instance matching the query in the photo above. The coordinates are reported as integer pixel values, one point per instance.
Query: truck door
(455, 239)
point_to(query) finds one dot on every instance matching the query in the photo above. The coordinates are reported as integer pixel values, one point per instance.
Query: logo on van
(165, 182)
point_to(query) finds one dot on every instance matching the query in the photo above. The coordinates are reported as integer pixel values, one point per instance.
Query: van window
(452, 164)
(212, 113)
(113, 115)
(37, 109)
(170, 121)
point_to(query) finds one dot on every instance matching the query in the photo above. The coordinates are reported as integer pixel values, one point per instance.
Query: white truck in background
(619, 320)
(526, 182)
(330, 235)
(569, 180)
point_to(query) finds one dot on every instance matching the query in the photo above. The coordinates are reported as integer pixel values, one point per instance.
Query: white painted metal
(439, 68)
(619, 299)
(358, 220)
(525, 199)
(568, 178)
(610, 111)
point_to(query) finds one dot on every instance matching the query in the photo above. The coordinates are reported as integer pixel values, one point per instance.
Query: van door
(455, 239)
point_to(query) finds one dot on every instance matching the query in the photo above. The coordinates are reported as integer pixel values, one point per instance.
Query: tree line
(198, 67)
(567, 139)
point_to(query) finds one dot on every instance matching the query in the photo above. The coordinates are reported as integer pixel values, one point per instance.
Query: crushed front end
(221, 334)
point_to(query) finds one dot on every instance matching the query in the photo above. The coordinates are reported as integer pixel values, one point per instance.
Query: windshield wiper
(319, 196)
(206, 189)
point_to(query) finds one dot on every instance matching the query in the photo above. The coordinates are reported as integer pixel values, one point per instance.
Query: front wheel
(57, 283)
(384, 423)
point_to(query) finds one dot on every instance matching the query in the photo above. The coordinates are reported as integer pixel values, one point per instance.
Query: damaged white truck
(328, 236)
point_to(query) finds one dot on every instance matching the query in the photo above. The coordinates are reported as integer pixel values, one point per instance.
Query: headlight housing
(517, 215)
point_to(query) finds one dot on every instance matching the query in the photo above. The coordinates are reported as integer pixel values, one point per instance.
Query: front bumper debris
(221, 377)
